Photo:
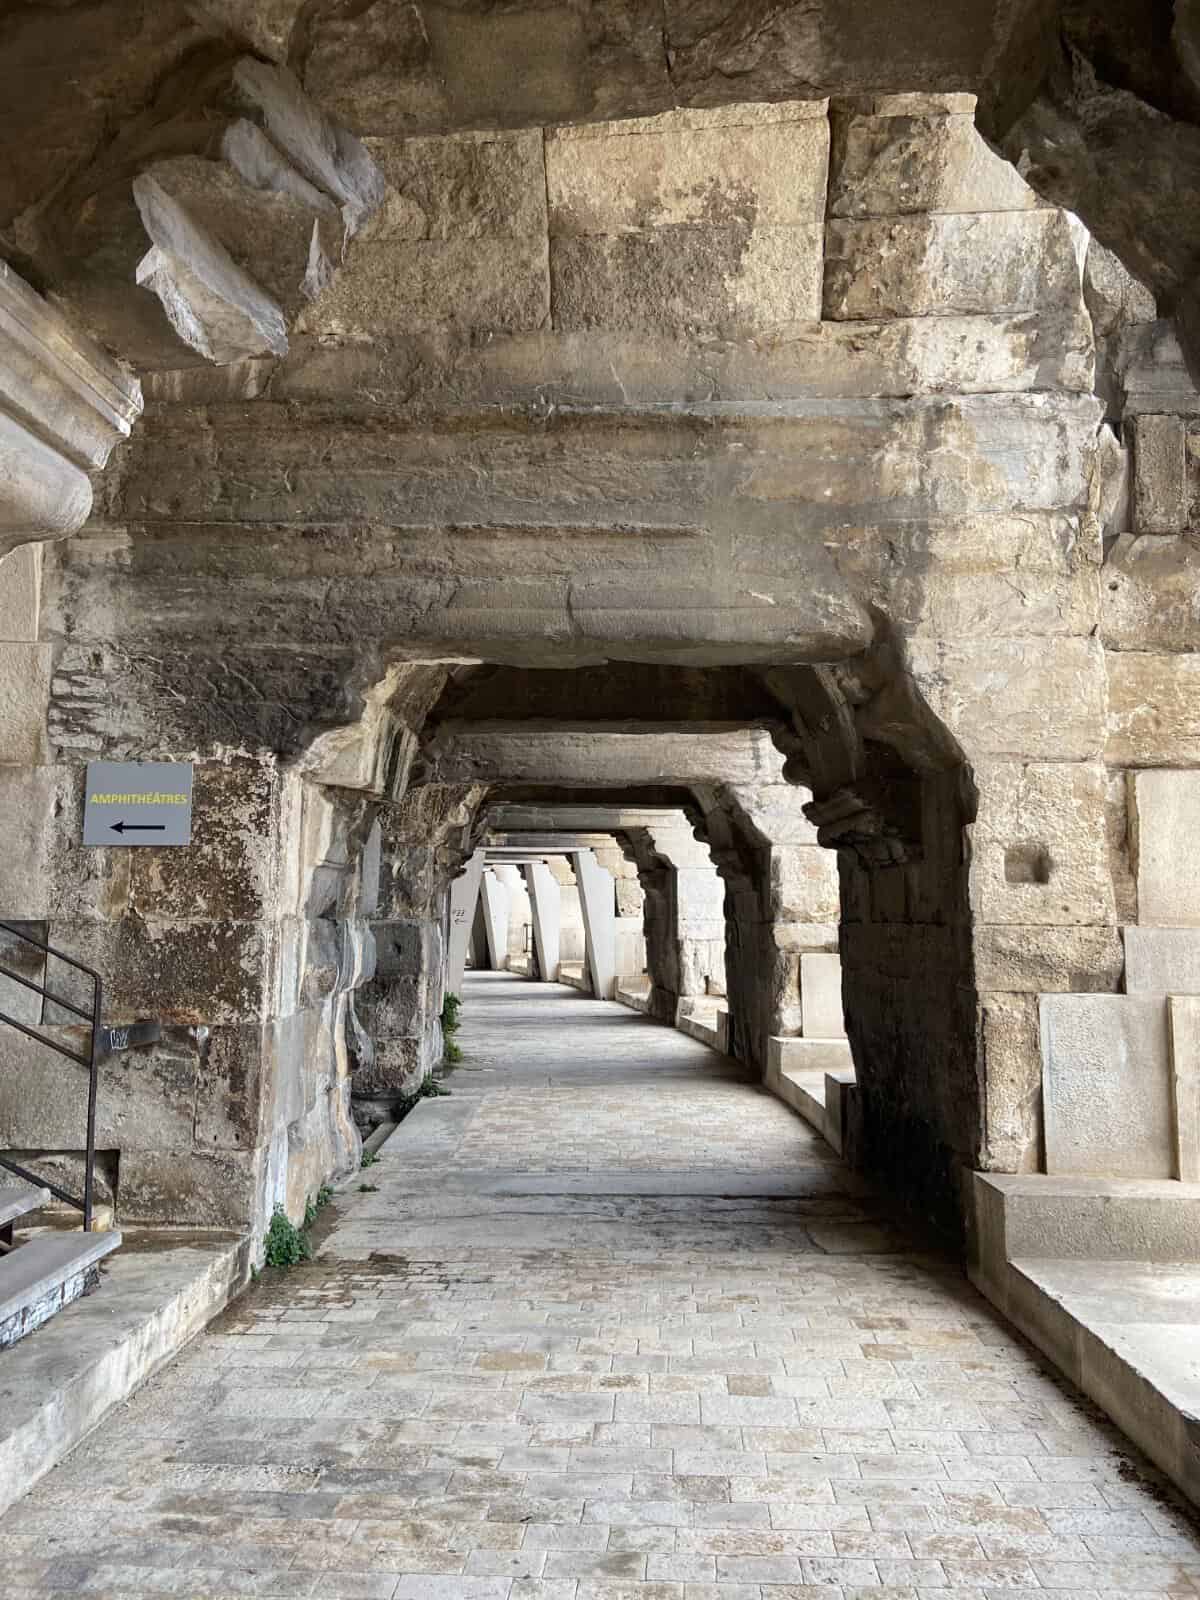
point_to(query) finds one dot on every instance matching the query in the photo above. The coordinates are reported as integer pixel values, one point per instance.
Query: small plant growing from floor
(317, 1203)
(369, 1158)
(428, 1089)
(451, 1049)
(285, 1243)
(368, 1188)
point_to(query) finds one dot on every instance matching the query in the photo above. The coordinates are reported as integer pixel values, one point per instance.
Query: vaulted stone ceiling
(1098, 105)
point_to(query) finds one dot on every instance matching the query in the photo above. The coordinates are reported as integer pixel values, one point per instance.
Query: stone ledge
(637, 996)
(1095, 1272)
(706, 1020)
(159, 1290)
(816, 1078)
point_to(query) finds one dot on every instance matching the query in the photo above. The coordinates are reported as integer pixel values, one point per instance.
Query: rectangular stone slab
(36, 1269)
(1106, 1085)
(1185, 1083)
(1162, 961)
(1165, 810)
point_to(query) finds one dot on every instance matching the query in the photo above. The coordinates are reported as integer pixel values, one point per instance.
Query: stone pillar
(597, 896)
(478, 941)
(495, 919)
(464, 897)
(519, 913)
(424, 846)
(546, 903)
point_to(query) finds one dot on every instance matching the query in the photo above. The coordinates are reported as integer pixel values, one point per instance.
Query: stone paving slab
(503, 1381)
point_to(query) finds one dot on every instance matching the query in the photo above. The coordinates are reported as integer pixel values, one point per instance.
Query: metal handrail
(91, 1061)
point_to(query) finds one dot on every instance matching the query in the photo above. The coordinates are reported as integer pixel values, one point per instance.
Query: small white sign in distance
(138, 802)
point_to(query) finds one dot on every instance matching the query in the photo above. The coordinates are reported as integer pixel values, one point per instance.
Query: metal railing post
(91, 1061)
(89, 1171)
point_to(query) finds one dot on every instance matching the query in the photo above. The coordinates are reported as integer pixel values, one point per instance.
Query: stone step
(160, 1289)
(1106, 1219)
(1103, 1276)
(816, 1078)
(40, 1278)
(18, 1199)
(803, 1089)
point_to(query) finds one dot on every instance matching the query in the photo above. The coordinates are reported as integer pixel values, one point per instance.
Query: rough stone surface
(760, 423)
(1038, 848)
(20, 594)
(985, 264)
(1162, 960)
(1160, 476)
(24, 696)
(1153, 710)
(918, 158)
(546, 1443)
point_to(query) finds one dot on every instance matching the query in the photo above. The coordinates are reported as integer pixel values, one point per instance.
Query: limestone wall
(800, 389)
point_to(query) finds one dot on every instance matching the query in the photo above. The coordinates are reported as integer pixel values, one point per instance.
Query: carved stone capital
(64, 404)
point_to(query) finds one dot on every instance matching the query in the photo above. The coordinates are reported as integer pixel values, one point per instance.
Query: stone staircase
(45, 1272)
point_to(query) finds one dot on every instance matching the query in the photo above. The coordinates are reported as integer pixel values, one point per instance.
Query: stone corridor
(643, 1339)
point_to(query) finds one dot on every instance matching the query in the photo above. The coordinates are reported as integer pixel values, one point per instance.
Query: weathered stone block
(30, 798)
(804, 884)
(1038, 847)
(230, 869)
(620, 177)
(1165, 815)
(1040, 699)
(921, 160)
(210, 1190)
(1162, 961)
(24, 959)
(1159, 474)
(1044, 960)
(973, 265)
(710, 276)
(468, 186)
(932, 355)
(1153, 710)
(24, 694)
(1114, 297)
(1148, 594)
(399, 286)
(776, 811)
(147, 1096)
(20, 594)
(177, 971)
(1106, 1088)
(1184, 1019)
(821, 996)
(232, 1095)
(1011, 1065)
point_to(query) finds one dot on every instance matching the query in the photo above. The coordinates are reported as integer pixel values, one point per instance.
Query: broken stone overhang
(240, 244)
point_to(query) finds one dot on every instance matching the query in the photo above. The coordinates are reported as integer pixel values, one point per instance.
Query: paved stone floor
(608, 1323)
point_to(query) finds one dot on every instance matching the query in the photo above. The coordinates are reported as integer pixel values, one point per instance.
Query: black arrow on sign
(139, 827)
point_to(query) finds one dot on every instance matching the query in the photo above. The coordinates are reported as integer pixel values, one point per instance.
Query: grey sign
(138, 802)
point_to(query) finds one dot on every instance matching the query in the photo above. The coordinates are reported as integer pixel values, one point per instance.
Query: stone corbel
(64, 404)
